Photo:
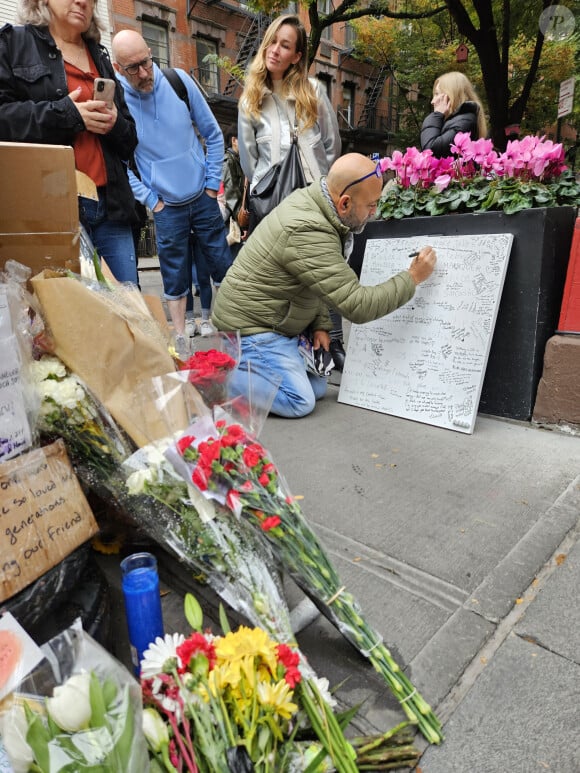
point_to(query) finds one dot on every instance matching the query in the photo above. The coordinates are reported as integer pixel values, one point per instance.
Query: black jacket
(437, 133)
(34, 107)
(233, 179)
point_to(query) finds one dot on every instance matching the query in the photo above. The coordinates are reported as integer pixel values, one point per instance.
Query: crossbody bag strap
(303, 152)
(275, 142)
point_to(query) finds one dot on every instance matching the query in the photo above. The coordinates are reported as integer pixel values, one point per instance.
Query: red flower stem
(189, 761)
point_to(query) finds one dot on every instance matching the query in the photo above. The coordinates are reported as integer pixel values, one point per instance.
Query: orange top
(87, 146)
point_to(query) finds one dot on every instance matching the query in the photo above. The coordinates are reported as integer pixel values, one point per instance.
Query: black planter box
(531, 297)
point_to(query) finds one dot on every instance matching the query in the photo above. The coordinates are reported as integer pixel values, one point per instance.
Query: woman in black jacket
(47, 72)
(456, 108)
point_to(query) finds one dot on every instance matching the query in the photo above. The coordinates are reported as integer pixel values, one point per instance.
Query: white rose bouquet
(80, 710)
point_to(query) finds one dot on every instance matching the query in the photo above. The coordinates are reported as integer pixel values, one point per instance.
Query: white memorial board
(426, 361)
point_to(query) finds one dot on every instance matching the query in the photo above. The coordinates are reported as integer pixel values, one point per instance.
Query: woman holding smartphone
(48, 69)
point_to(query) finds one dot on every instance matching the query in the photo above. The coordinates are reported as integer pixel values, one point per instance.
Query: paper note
(15, 436)
(19, 654)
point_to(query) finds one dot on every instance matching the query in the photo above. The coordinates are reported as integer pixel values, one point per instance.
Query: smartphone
(105, 90)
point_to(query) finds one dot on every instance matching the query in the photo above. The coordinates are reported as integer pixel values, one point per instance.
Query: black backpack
(177, 84)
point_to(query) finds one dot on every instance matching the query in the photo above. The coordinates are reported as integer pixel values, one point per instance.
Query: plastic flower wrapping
(145, 488)
(197, 480)
(211, 365)
(79, 710)
(529, 173)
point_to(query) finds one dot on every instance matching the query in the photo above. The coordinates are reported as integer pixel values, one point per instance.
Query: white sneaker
(182, 347)
(191, 327)
(206, 328)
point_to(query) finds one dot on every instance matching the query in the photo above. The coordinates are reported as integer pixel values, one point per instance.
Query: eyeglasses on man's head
(377, 172)
(133, 69)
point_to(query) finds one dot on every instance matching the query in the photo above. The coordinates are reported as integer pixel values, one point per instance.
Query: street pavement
(463, 552)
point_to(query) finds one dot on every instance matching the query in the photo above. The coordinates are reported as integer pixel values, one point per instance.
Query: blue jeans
(173, 225)
(200, 274)
(113, 241)
(277, 356)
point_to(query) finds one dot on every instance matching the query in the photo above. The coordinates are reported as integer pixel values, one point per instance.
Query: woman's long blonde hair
(459, 89)
(294, 83)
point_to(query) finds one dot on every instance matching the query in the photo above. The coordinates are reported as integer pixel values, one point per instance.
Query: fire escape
(367, 118)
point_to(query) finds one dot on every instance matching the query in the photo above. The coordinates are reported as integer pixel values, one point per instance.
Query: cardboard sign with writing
(44, 516)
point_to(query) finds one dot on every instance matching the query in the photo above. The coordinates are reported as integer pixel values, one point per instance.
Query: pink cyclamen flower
(544, 155)
(442, 182)
(462, 145)
(385, 164)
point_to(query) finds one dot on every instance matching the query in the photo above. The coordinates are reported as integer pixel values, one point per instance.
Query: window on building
(157, 39)
(324, 8)
(349, 35)
(325, 80)
(348, 103)
(207, 71)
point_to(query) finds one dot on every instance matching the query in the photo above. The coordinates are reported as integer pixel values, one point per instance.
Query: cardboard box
(44, 516)
(39, 218)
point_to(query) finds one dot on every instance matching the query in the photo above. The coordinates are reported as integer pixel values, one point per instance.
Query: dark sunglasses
(376, 172)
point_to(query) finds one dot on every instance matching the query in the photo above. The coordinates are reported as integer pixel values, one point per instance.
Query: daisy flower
(157, 654)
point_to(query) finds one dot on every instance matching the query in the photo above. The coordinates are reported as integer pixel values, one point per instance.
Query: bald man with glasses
(178, 177)
(293, 267)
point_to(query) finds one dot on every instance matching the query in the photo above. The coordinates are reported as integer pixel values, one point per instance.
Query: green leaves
(193, 612)
(105, 745)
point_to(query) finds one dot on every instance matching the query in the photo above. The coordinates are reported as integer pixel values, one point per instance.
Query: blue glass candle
(140, 583)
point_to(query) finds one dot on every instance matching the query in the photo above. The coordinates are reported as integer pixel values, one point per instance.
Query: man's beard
(354, 225)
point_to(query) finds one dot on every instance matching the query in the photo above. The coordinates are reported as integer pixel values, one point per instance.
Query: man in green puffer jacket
(293, 267)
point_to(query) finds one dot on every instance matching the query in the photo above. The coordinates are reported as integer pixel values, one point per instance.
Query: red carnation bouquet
(209, 373)
(226, 463)
(211, 367)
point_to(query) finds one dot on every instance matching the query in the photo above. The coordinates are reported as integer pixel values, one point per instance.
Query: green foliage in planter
(529, 174)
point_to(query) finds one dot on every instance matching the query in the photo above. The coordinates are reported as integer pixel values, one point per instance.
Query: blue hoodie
(169, 156)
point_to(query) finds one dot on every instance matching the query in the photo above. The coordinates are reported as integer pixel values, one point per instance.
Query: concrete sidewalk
(463, 553)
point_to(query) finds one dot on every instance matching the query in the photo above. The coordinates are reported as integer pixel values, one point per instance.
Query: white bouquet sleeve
(79, 710)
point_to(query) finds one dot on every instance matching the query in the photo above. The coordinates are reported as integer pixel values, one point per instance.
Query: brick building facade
(182, 32)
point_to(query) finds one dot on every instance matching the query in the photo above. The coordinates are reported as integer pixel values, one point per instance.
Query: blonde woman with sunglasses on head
(278, 99)
(456, 108)
(278, 96)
